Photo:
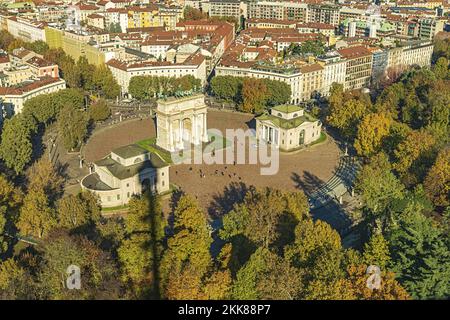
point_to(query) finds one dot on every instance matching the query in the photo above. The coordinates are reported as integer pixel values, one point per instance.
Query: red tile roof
(354, 52)
(28, 86)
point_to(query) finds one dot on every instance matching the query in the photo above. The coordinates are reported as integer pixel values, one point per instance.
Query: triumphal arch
(181, 120)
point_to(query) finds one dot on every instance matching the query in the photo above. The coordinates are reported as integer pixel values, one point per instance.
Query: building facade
(288, 127)
(358, 68)
(127, 171)
(14, 97)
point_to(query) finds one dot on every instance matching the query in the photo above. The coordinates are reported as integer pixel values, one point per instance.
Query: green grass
(110, 209)
(150, 145)
(219, 142)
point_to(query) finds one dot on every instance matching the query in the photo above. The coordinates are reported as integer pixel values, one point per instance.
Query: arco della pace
(180, 121)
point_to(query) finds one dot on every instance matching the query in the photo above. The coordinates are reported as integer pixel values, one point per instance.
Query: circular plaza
(307, 169)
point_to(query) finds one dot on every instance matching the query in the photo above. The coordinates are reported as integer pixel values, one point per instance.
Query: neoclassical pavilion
(180, 120)
(288, 127)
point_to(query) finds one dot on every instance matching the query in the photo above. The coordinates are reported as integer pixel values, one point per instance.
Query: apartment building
(317, 27)
(277, 10)
(117, 17)
(25, 29)
(324, 13)
(5, 62)
(273, 10)
(227, 8)
(122, 71)
(334, 70)
(408, 54)
(14, 97)
(358, 68)
(270, 24)
(312, 80)
(96, 20)
(15, 75)
(429, 27)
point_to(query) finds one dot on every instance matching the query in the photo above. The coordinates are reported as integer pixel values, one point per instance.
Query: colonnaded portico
(181, 120)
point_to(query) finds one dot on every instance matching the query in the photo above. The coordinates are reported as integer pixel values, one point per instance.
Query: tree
(420, 257)
(76, 210)
(378, 187)
(71, 73)
(277, 92)
(254, 95)
(36, 217)
(440, 69)
(16, 44)
(347, 116)
(16, 148)
(5, 39)
(280, 280)
(391, 99)
(67, 98)
(59, 251)
(376, 251)
(226, 87)
(266, 276)
(437, 181)
(140, 250)
(266, 217)
(335, 100)
(72, 127)
(115, 27)
(140, 87)
(14, 281)
(43, 176)
(397, 134)
(312, 241)
(99, 110)
(309, 47)
(10, 200)
(191, 13)
(188, 250)
(86, 71)
(41, 107)
(136, 259)
(412, 154)
(389, 289)
(186, 83)
(441, 49)
(104, 82)
(373, 128)
(38, 46)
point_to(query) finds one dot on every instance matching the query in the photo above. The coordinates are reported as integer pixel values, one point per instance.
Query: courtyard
(216, 186)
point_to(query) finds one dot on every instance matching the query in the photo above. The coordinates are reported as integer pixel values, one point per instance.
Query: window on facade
(118, 197)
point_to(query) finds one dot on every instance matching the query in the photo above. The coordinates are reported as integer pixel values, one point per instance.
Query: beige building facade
(127, 171)
(288, 127)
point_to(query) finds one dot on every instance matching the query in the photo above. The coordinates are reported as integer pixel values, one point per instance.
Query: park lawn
(217, 142)
(117, 208)
(150, 145)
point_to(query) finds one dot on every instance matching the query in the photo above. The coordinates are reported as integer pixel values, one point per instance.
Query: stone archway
(187, 130)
